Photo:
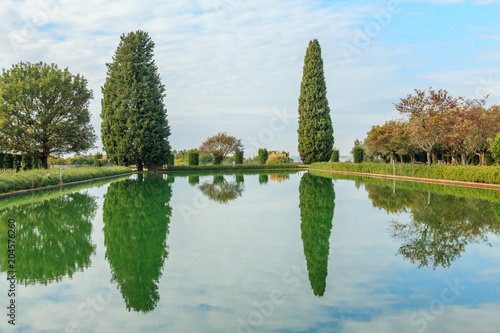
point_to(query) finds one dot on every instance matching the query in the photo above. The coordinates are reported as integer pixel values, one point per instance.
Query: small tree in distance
(262, 155)
(220, 145)
(238, 157)
(358, 153)
(335, 156)
(98, 160)
(193, 157)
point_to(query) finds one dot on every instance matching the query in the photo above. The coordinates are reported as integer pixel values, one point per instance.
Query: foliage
(235, 167)
(220, 145)
(53, 237)
(98, 160)
(262, 155)
(127, 206)
(40, 178)
(335, 156)
(238, 157)
(437, 122)
(44, 111)
(134, 127)
(358, 153)
(277, 157)
(495, 149)
(193, 157)
(315, 124)
(317, 204)
(467, 173)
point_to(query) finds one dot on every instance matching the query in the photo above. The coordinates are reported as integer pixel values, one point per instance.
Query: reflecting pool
(253, 252)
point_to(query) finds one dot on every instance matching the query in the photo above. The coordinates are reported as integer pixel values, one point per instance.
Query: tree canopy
(134, 127)
(44, 110)
(220, 145)
(315, 124)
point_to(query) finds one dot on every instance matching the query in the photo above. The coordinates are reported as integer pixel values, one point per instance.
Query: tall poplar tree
(134, 127)
(315, 125)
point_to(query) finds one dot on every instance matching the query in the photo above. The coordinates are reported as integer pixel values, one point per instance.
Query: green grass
(233, 167)
(468, 173)
(25, 180)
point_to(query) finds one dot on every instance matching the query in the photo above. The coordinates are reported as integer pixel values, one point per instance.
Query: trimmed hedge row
(467, 173)
(25, 180)
(233, 167)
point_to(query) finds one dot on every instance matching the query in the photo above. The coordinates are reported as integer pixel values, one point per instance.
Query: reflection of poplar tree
(53, 238)
(136, 215)
(317, 203)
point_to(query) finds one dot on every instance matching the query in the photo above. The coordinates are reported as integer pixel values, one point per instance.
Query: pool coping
(417, 179)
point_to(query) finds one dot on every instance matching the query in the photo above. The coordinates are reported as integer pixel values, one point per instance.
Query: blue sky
(236, 66)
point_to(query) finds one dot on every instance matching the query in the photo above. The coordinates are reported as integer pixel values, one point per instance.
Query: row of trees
(436, 123)
(19, 162)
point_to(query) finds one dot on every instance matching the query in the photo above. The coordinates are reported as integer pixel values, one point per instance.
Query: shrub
(98, 160)
(358, 153)
(277, 157)
(262, 156)
(238, 157)
(335, 156)
(193, 157)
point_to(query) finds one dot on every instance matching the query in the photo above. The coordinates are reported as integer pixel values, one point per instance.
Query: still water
(278, 252)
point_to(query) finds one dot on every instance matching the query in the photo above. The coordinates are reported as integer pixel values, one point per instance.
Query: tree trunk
(140, 167)
(429, 157)
(412, 157)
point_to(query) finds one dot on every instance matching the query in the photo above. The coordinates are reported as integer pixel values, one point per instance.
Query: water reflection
(440, 225)
(221, 190)
(53, 237)
(317, 203)
(136, 216)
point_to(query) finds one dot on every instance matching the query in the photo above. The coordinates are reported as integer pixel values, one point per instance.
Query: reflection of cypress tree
(53, 238)
(136, 215)
(496, 210)
(317, 203)
(194, 180)
(263, 178)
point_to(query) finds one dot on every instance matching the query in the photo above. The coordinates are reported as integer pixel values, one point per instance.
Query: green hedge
(468, 173)
(40, 178)
(234, 167)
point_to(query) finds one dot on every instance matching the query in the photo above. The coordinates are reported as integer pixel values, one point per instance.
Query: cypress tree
(315, 125)
(134, 127)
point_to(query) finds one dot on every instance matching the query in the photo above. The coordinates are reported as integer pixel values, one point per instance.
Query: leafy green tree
(53, 238)
(335, 156)
(495, 149)
(315, 124)
(193, 157)
(262, 155)
(317, 203)
(220, 145)
(134, 127)
(358, 154)
(137, 253)
(44, 111)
